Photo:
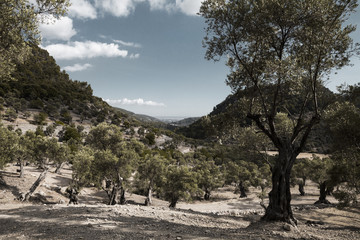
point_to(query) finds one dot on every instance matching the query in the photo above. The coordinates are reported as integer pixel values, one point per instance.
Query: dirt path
(225, 217)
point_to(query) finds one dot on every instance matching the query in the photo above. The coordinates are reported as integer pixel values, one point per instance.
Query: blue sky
(146, 56)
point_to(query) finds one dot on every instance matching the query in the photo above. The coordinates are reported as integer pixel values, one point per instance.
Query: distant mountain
(185, 122)
(140, 117)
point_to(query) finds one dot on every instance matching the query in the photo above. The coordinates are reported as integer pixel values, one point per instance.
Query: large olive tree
(19, 21)
(278, 51)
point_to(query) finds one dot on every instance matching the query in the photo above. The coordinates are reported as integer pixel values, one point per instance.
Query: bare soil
(226, 216)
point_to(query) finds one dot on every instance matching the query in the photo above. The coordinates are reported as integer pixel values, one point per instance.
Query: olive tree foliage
(180, 182)
(244, 174)
(8, 140)
(114, 160)
(319, 172)
(301, 173)
(19, 21)
(279, 50)
(343, 120)
(150, 171)
(210, 176)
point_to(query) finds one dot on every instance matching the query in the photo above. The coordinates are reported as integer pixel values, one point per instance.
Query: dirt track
(226, 217)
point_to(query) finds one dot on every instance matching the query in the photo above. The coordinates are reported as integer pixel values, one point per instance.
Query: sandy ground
(226, 216)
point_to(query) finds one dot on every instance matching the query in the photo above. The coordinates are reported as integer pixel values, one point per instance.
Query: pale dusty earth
(226, 216)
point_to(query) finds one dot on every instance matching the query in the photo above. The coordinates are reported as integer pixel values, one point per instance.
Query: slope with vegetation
(112, 151)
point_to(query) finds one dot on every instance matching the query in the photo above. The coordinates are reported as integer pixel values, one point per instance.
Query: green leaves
(19, 29)
(279, 50)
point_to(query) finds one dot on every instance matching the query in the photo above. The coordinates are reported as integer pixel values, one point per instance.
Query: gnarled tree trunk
(207, 195)
(301, 188)
(122, 196)
(21, 168)
(242, 190)
(114, 196)
(173, 202)
(323, 193)
(148, 200)
(279, 208)
(59, 167)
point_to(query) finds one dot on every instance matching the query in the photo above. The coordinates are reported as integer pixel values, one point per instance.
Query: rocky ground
(49, 216)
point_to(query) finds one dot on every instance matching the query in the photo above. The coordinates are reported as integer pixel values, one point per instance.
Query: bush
(345, 198)
(40, 118)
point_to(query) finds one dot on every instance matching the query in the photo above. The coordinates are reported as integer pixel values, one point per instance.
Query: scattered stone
(287, 227)
(314, 223)
(178, 238)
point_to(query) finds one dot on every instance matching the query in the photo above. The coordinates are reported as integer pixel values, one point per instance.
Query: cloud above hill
(139, 102)
(77, 67)
(82, 9)
(57, 29)
(90, 9)
(85, 50)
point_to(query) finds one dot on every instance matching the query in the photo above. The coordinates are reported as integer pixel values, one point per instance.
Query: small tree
(210, 176)
(243, 174)
(149, 173)
(114, 159)
(40, 118)
(8, 141)
(343, 120)
(179, 183)
(10, 114)
(301, 173)
(319, 173)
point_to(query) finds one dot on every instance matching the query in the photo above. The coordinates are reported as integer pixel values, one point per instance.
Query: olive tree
(19, 20)
(343, 120)
(8, 140)
(209, 176)
(180, 182)
(149, 173)
(114, 159)
(279, 50)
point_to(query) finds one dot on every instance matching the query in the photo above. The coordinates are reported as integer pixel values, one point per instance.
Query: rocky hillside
(39, 85)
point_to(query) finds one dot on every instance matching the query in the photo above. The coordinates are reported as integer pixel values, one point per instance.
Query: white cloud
(128, 44)
(118, 8)
(134, 56)
(139, 102)
(77, 67)
(123, 8)
(189, 7)
(161, 5)
(82, 50)
(54, 29)
(82, 9)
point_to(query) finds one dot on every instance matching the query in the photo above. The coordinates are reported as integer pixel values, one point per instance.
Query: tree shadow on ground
(333, 220)
(4, 186)
(98, 223)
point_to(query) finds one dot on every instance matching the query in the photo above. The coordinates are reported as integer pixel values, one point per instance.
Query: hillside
(41, 87)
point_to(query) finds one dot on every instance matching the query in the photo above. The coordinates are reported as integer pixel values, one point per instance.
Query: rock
(314, 223)
(61, 201)
(287, 227)
(178, 238)
(46, 186)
